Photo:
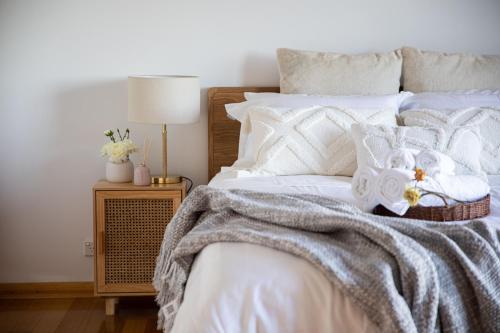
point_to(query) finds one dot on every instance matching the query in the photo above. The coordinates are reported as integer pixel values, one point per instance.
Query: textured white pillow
(435, 71)
(239, 111)
(452, 100)
(487, 119)
(311, 140)
(308, 72)
(462, 144)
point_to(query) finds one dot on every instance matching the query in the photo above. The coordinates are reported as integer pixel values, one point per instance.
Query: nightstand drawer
(129, 231)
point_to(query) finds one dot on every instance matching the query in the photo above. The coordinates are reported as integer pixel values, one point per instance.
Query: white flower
(118, 151)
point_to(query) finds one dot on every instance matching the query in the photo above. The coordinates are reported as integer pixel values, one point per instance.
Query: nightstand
(129, 224)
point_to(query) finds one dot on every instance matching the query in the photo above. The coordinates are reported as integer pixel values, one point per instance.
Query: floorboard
(76, 315)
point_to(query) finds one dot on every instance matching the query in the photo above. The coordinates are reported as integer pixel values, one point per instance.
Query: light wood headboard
(224, 133)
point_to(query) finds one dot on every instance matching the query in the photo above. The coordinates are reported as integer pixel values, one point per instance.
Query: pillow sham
(239, 111)
(453, 100)
(435, 71)
(308, 72)
(310, 140)
(486, 119)
(461, 144)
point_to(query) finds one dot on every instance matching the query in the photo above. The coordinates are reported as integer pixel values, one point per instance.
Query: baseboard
(47, 290)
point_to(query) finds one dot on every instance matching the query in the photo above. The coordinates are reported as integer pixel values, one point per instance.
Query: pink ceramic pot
(142, 176)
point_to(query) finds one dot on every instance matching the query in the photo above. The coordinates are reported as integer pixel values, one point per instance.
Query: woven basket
(459, 212)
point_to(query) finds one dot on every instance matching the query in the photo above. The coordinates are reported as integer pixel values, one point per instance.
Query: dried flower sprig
(413, 194)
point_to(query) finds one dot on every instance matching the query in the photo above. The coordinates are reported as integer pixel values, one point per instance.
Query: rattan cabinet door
(129, 231)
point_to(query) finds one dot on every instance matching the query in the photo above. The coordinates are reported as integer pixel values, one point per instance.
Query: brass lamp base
(166, 180)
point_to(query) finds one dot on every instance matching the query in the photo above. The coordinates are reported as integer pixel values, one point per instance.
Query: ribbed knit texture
(406, 275)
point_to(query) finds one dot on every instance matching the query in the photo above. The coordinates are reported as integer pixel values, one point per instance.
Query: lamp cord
(190, 183)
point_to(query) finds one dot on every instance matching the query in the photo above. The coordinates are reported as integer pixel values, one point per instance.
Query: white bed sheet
(239, 287)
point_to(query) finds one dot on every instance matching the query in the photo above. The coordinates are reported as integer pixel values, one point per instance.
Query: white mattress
(239, 287)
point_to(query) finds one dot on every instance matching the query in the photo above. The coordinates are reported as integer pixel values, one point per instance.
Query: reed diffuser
(142, 175)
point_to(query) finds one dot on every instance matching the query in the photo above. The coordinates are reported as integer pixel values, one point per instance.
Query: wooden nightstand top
(103, 185)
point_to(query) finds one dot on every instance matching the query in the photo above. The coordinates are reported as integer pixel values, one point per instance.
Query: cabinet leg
(111, 305)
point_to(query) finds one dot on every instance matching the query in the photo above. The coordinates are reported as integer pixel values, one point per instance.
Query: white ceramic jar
(119, 172)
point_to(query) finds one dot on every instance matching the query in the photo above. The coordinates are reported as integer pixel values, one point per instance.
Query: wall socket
(88, 248)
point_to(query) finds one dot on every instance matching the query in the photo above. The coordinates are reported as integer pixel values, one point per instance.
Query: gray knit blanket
(406, 275)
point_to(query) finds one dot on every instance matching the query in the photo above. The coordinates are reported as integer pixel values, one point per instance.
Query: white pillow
(239, 111)
(308, 72)
(453, 100)
(392, 101)
(487, 119)
(310, 140)
(462, 144)
(435, 71)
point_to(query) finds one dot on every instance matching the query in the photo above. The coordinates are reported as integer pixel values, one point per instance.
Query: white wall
(63, 69)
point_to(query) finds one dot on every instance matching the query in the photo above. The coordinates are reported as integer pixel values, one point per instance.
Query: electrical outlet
(88, 248)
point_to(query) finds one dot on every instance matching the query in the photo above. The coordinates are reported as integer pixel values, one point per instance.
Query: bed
(243, 287)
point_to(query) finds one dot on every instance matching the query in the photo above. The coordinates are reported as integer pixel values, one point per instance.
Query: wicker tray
(459, 212)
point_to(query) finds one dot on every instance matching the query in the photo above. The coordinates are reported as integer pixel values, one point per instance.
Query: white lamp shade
(163, 99)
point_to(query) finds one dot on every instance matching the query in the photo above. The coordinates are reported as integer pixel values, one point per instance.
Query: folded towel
(391, 184)
(434, 162)
(462, 187)
(363, 186)
(402, 158)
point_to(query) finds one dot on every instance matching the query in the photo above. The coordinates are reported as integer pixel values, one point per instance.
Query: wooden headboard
(224, 133)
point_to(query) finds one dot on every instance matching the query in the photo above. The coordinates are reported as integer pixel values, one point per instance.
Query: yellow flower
(420, 174)
(412, 195)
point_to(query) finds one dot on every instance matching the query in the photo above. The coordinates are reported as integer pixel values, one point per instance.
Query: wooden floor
(76, 315)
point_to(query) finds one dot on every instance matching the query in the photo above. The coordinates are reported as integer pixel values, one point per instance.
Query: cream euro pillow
(323, 73)
(435, 71)
(486, 119)
(305, 140)
(461, 144)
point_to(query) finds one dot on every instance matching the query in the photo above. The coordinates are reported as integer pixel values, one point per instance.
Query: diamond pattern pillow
(462, 144)
(487, 119)
(312, 140)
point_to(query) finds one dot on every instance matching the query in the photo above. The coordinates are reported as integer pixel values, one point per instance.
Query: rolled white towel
(401, 158)
(434, 162)
(390, 188)
(363, 187)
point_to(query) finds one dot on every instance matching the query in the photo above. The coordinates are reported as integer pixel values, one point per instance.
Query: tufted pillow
(240, 111)
(324, 73)
(451, 100)
(435, 71)
(462, 144)
(487, 119)
(306, 140)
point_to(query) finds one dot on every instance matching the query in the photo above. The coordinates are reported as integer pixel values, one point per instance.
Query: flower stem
(441, 196)
(118, 131)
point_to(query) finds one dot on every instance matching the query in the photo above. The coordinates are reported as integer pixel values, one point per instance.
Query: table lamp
(164, 99)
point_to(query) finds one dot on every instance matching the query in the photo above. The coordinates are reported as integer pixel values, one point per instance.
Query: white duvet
(239, 287)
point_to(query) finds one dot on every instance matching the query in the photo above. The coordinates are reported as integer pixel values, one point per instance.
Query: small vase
(142, 176)
(119, 172)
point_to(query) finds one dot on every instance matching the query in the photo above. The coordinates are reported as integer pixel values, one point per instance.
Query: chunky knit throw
(406, 275)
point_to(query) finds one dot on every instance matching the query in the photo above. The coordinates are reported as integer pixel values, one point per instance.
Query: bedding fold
(406, 275)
